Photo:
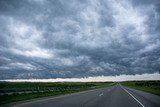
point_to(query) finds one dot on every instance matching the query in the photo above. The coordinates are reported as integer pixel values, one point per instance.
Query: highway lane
(116, 96)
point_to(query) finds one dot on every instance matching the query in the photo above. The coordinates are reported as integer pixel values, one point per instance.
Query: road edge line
(133, 97)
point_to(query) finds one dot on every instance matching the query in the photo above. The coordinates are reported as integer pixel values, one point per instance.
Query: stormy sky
(78, 38)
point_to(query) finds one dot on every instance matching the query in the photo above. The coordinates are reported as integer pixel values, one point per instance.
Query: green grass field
(43, 89)
(147, 86)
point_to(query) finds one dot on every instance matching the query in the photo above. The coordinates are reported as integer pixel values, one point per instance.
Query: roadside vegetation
(147, 86)
(12, 92)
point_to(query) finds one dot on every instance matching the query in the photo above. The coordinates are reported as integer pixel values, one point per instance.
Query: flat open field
(11, 92)
(147, 86)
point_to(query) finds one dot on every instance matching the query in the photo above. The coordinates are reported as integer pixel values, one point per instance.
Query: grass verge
(63, 88)
(147, 86)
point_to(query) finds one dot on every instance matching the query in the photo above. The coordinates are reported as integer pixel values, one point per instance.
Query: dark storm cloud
(50, 39)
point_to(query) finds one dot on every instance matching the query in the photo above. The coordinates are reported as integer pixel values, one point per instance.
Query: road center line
(133, 97)
(101, 94)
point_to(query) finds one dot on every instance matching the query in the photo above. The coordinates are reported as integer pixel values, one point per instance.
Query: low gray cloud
(78, 38)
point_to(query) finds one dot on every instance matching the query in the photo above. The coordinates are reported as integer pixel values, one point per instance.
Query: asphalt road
(116, 96)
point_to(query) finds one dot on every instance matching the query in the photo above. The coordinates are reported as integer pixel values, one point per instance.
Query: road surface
(116, 96)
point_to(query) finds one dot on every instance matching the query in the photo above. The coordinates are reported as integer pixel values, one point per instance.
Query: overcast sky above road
(78, 38)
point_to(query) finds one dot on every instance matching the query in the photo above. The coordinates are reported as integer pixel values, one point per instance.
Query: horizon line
(119, 78)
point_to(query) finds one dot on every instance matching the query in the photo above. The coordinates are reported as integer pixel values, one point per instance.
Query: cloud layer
(63, 39)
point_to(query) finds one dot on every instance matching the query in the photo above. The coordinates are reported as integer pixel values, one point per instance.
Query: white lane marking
(101, 94)
(133, 97)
